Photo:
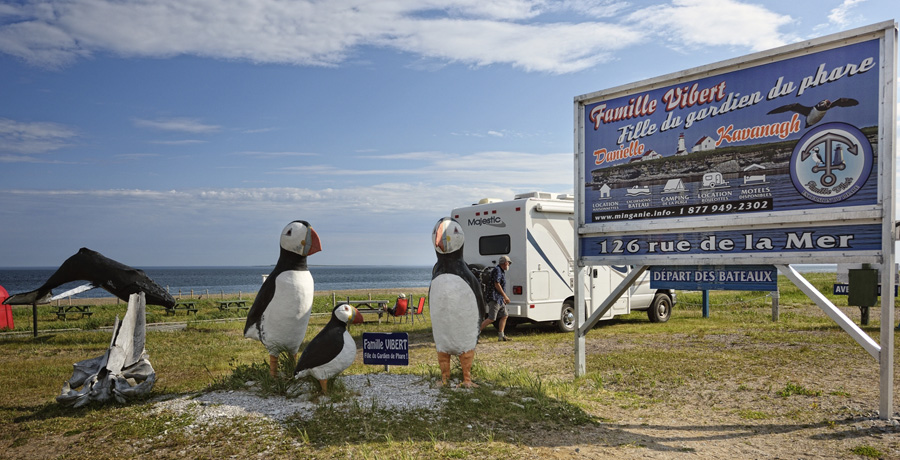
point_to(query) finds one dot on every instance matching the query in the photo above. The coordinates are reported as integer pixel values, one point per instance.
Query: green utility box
(863, 288)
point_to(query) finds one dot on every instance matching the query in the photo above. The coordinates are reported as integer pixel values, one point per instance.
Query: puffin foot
(444, 363)
(273, 366)
(465, 361)
(324, 385)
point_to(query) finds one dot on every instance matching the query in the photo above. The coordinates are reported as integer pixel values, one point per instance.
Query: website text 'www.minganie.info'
(752, 205)
(630, 215)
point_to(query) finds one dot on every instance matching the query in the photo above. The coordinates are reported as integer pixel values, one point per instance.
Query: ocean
(231, 280)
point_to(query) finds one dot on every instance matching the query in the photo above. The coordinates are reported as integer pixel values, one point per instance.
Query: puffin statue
(331, 351)
(280, 313)
(456, 303)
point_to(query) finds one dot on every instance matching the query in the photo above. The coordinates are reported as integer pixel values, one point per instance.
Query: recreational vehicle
(536, 231)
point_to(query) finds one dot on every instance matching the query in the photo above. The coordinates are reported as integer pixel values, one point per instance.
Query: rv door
(603, 281)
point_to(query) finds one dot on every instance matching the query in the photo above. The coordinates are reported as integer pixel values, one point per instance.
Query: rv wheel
(661, 308)
(566, 321)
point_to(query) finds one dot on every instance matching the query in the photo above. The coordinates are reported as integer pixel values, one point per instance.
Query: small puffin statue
(331, 351)
(455, 299)
(280, 313)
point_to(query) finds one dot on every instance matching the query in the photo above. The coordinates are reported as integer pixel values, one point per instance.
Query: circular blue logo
(831, 162)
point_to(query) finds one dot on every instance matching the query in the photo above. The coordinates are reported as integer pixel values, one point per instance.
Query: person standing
(498, 299)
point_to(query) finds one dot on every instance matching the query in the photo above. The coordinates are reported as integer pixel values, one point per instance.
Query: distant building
(704, 144)
(650, 155)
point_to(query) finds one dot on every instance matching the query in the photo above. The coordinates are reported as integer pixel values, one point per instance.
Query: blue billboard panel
(791, 135)
(714, 277)
(740, 243)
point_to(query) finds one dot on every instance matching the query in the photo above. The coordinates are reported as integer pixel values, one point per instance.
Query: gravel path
(386, 391)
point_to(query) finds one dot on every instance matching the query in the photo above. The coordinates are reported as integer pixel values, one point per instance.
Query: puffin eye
(289, 231)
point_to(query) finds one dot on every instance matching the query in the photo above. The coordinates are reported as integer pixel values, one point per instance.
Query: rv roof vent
(488, 201)
(565, 196)
(540, 195)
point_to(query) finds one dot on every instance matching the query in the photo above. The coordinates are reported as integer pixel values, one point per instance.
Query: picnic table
(228, 304)
(369, 306)
(63, 310)
(189, 306)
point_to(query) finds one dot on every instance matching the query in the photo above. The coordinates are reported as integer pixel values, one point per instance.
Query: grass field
(734, 385)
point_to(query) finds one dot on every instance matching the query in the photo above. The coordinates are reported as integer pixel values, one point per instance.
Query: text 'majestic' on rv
(536, 231)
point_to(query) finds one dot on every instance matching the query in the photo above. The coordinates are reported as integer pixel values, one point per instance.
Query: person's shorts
(496, 310)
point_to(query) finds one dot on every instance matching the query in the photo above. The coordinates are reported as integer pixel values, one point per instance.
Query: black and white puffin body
(331, 351)
(280, 314)
(456, 303)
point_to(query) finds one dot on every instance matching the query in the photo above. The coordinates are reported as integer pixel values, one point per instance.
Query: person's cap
(504, 259)
(402, 295)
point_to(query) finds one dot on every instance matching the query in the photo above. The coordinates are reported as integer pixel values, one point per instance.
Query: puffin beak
(353, 314)
(315, 245)
(439, 238)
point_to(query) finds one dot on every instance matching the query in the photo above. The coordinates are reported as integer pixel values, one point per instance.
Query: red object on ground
(6, 319)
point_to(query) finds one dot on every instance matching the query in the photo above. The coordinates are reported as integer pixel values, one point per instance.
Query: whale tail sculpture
(123, 372)
(100, 271)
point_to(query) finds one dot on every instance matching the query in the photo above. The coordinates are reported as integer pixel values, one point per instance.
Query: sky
(190, 132)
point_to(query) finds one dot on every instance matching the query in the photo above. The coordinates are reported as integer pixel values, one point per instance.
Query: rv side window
(493, 245)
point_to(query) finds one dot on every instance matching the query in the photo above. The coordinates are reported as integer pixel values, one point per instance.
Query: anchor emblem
(829, 156)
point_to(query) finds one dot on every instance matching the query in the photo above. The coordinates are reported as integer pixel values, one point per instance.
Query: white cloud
(714, 22)
(185, 125)
(135, 156)
(841, 15)
(328, 203)
(526, 34)
(509, 168)
(237, 226)
(30, 138)
(179, 142)
(276, 154)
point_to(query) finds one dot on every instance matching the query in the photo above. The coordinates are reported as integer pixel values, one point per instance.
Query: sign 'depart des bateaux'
(779, 149)
(709, 277)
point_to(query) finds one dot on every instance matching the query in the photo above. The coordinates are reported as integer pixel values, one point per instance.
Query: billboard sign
(768, 148)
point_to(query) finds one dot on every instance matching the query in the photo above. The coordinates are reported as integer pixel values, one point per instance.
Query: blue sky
(190, 132)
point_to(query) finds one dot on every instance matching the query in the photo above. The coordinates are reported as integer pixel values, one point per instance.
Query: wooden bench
(63, 310)
(366, 306)
(228, 304)
(188, 306)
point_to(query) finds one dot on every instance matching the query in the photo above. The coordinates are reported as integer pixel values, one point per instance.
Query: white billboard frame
(635, 240)
(633, 230)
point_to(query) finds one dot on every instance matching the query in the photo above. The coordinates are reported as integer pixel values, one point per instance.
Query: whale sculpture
(118, 279)
(123, 372)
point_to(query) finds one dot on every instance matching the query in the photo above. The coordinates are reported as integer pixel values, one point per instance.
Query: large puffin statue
(456, 303)
(280, 313)
(331, 351)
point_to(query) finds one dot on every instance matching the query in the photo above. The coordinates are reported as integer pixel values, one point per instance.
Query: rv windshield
(493, 245)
